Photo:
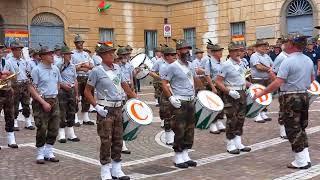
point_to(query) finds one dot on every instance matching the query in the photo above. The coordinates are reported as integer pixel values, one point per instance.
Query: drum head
(314, 88)
(148, 62)
(210, 100)
(264, 100)
(142, 73)
(139, 111)
(137, 60)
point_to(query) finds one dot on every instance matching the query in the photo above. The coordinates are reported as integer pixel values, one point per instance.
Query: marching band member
(20, 87)
(109, 83)
(127, 71)
(275, 69)
(294, 78)
(154, 73)
(165, 110)
(261, 65)
(231, 81)
(68, 97)
(57, 57)
(199, 66)
(212, 68)
(34, 59)
(181, 78)
(7, 100)
(44, 91)
(156, 83)
(84, 64)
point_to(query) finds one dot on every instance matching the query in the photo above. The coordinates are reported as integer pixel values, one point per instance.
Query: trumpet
(5, 82)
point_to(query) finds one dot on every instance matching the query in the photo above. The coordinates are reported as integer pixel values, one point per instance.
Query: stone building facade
(140, 22)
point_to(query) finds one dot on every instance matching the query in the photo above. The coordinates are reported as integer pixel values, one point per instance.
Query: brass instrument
(4, 82)
(247, 72)
(84, 62)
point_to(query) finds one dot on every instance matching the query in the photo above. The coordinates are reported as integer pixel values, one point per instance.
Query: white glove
(234, 94)
(101, 111)
(175, 102)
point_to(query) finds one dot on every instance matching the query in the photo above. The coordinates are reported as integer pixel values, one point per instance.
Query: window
(238, 33)
(150, 42)
(106, 34)
(190, 36)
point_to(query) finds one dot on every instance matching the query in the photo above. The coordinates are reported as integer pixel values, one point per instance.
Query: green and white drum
(208, 106)
(255, 107)
(135, 115)
(313, 91)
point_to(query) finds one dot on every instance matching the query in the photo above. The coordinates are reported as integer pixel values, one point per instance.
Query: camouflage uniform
(183, 126)
(82, 82)
(6, 103)
(110, 130)
(21, 94)
(20, 87)
(6, 99)
(165, 112)
(67, 102)
(295, 117)
(47, 123)
(235, 110)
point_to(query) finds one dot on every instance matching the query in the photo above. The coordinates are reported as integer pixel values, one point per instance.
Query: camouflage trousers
(280, 115)
(47, 123)
(295, 117)
(183, 126)
(21, 94)
(110, 131)
(157, 89)
(82, 82)
(165, 112)
(264, 82)
(67, 102)
(235, 110)
(6, 103)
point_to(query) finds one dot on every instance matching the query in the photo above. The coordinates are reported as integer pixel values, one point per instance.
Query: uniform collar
(234, 62)
(294, 53)
(109, 68)
(215, 60)
(45, 66)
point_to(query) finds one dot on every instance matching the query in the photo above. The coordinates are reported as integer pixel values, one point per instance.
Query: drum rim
(207, 107)
(312, 92)
(127, 112)
(261, 103)
(145, 55)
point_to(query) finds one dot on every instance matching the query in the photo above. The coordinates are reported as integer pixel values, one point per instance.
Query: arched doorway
(46, 29)
(299, 14)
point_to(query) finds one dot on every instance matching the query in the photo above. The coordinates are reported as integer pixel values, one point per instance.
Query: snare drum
(255, 107)
(143, 64)
(208, 106)
(313, 91)
(135, 115)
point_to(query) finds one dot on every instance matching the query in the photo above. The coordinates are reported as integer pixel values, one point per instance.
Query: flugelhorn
(4, 82)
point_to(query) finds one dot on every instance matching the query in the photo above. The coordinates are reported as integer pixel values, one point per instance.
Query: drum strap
(187, 71)
(113, 77)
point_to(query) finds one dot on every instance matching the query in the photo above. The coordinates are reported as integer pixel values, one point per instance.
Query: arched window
(299, 8)
(47, 29)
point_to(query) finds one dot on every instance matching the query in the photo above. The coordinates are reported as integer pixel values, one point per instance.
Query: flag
(103, 6)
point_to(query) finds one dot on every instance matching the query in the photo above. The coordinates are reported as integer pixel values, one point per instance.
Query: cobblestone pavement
(151, 159)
